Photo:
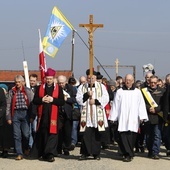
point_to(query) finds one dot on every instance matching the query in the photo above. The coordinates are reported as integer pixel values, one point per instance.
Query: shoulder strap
(149, 98)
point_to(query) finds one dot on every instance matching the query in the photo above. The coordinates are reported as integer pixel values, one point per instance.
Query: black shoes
(48, 158)
(82, 157)
(127, 159)
(155, 157)
(66, 153)
(4, 154)
(51, 159)
(72, 146)
(59, 153)
(97, 157)
(168, 153)
(105, 147)
(137, 150)
(140, 149)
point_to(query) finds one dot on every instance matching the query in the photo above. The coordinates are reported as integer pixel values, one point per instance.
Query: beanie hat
(4, 86)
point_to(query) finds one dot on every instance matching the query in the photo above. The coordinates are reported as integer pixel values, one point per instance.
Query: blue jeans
(33, 126)
(74, 132)
(20, 127)
(154, 139)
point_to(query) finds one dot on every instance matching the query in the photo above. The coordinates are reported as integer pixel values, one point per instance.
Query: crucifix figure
(91, 28)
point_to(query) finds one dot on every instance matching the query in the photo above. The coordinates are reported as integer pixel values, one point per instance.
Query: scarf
(107, 107)
(99, 111)
(54, 109)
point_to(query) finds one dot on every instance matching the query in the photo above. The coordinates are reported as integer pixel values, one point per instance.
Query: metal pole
(72, 54)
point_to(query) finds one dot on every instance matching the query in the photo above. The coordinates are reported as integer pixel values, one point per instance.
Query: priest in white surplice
(129, 110)
(92, 101)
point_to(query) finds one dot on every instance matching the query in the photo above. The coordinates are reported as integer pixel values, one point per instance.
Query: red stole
(14, 89)
(107, 107)
(54, 109)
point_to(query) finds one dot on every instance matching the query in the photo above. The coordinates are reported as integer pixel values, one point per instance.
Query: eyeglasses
(61, 82)
(152, 82)
(18, 82)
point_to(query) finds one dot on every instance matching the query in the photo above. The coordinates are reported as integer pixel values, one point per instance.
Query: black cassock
(45, 142)
(92, 146)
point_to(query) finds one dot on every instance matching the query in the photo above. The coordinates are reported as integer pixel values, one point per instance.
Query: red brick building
(7, 76)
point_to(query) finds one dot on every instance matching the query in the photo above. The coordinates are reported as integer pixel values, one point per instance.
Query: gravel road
(110, 160)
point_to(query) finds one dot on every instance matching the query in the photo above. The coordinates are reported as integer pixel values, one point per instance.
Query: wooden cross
(91, 28)
(117, 66)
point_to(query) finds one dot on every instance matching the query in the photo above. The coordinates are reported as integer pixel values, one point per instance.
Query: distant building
(7, 76)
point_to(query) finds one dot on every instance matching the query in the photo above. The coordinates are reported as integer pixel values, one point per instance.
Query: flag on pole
(58, 29)
(42, 60)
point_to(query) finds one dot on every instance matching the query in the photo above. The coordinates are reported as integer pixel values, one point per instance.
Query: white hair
(62, 78)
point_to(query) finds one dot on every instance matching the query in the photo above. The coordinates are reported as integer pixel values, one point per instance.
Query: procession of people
(50, 119)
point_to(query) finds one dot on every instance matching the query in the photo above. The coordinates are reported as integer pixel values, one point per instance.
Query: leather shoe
(5, 154)
(51, 159)
(82, 157)
(66, 153)
(97, 157)
(59, 153)
(127, 159)
(48, 158)
(27, 152)
(19, 157)
(72, 146)
(168, 153)
(155, 157)
(105, 147)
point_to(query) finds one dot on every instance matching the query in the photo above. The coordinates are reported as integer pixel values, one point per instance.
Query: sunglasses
(153, 82)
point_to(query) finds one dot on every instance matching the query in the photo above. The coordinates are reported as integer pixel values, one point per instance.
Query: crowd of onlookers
(19, 121)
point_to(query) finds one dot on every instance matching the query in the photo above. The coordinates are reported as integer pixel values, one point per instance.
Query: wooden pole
(91, 28)
(117, 66)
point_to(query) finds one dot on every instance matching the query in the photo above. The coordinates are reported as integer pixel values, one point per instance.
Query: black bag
(76, 114)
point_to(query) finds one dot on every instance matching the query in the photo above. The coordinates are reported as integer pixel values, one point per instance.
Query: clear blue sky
(137, 32)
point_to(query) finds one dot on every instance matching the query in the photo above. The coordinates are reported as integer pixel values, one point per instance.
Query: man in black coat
(66, 109)
(48, 97)
(154, 107)
(2, 113)
(166, 115)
